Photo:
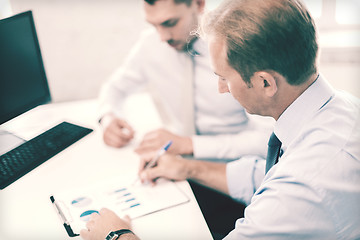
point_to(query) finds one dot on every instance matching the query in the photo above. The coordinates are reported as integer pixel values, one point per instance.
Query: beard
(182, 46)
(177, 44)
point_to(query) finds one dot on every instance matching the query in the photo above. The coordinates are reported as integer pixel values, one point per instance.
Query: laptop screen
(23, 83)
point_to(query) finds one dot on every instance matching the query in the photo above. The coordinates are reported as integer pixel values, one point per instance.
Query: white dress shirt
(224, 129)
(313, 192)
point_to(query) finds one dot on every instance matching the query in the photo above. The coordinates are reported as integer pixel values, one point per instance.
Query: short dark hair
(187, 2)
(277, 35)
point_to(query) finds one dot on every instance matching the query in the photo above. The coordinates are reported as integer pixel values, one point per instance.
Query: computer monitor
(23, 83)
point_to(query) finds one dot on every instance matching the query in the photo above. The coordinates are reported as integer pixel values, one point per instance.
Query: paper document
(75, 207)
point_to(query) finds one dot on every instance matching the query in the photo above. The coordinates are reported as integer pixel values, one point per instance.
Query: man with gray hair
(265, 54)
(173, 65)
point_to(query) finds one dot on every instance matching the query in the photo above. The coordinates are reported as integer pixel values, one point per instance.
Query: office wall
(83, 41)
(5, 9)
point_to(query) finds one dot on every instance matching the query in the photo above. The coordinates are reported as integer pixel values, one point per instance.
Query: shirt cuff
(244, 176)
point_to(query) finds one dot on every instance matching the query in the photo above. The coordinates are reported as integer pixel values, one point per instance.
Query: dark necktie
(273, 153)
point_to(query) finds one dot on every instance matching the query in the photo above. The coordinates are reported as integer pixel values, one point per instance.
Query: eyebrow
(217, 74)
(164, 23)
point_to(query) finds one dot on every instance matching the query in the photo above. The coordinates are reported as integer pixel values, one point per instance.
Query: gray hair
(266, 35)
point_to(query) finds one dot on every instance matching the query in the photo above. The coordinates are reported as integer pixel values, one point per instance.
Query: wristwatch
(113, 235)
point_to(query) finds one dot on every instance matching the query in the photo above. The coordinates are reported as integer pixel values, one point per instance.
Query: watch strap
(113, 235)
(123, 231)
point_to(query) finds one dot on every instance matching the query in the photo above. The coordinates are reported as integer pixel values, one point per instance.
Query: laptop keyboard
(27, 156)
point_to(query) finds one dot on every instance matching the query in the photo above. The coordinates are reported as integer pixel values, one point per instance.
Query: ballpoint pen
(153, 161)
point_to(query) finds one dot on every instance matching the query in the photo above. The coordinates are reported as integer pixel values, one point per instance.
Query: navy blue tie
(273, 153)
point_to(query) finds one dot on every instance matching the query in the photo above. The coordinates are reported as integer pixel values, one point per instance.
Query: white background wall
(83, 41)
(5, 8)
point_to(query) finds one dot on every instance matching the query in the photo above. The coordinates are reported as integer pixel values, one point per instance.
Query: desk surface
(26, 211)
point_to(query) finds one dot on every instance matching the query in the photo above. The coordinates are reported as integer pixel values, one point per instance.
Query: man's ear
(267, 82)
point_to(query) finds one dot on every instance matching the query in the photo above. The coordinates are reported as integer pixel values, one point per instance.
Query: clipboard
(75, 206)
(63, 218)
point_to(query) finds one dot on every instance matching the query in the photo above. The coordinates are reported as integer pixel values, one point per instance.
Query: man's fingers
(151, 174)
(118, 133)
(150, 144)
(142, 164)
(121, 132)
(116, 137)
(84, 234)
(126, 128)
(142, 149)
(123, 129)
(90, 224)
(114, 140)
(145, 159)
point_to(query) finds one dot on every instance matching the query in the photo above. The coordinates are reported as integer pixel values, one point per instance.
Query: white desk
(25, 209)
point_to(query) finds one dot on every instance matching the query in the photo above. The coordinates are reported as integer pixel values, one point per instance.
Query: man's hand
(211, 174)
(154, 140)
(168, 166)
(99, 225)
(117, 132)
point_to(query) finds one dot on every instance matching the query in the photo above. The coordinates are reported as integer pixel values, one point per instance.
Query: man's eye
(169, 23)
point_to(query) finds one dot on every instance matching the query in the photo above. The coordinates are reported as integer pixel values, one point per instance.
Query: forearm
(129, 236)
(211, 174)
(230, 146)
(252, 140)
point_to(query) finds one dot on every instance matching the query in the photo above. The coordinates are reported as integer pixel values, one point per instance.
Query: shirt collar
(294, 117)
